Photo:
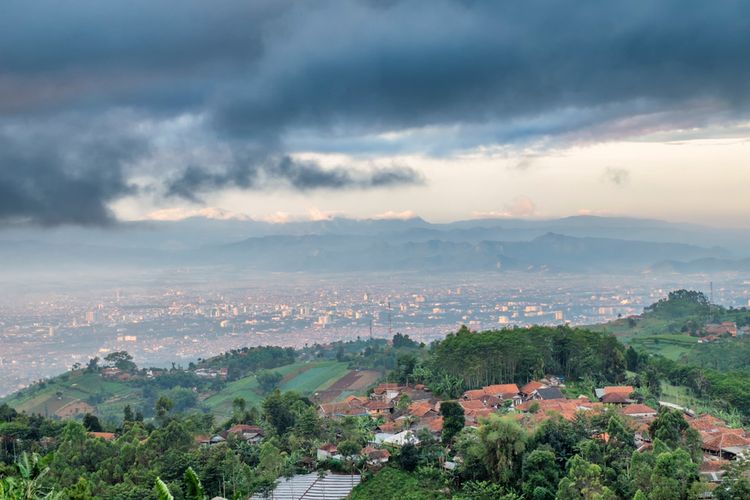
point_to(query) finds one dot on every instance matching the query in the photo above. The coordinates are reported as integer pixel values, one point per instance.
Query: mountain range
(572, 244)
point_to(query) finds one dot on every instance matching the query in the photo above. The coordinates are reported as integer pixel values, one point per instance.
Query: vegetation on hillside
(154, 452)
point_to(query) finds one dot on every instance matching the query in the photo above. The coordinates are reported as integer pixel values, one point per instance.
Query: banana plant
(162, 490)
(193, 485)
(28, 484)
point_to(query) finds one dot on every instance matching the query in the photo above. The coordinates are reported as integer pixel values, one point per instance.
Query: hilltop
(683, 325)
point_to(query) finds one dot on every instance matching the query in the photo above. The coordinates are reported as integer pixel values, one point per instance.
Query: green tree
(671, 428)
(163, 406)
(93, 365)
(127, 414)
(408, 457)
(277, 411)
(29, 481)
(540, 475)
(583, 482)
(504, 442)
(349, 448)
(121, 360)
(453, 420)
(268, 380)
(673, 475)
(79, 491)
(632, 359)
(733, 489)
(91, 423)
(561, 436)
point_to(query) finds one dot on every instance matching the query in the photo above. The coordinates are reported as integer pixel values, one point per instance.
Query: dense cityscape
(182, 323)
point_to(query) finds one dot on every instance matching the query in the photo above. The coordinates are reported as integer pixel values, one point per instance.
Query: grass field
(305, 378)
(623, 330)
(669, 346)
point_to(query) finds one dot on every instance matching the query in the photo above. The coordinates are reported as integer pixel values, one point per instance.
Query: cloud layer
(362, 77)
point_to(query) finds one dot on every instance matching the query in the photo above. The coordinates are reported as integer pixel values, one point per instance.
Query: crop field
(316, 377)
(352, 383)
(305, 378)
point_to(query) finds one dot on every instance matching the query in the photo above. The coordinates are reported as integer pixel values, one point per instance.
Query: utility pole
(390, 325)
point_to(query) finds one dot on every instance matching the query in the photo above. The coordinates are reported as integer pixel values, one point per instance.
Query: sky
(448, 110)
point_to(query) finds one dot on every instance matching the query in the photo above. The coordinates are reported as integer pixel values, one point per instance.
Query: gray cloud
(273, 171)
(51, 177)
(287, 76)
(617, 176)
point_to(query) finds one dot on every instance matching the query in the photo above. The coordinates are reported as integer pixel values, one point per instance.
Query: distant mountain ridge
(551, 252)
(573, 244)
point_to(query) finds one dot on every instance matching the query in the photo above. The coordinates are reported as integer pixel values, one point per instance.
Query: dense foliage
(520, 355)
(681, 304)
(241, 362)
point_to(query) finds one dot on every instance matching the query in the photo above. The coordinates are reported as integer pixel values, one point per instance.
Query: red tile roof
(474, 394)
(420, 409)
(472, 404)
(531, 387)
(244, 428)
(615, 398)
(375, 453)
(501, 390)
(622, 389)
(380, 389)
(389, 427)
(435, 424)
(638, 408)
(721, 440)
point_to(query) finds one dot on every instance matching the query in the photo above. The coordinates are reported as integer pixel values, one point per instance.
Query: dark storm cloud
(272, 171)
(53, 178)
(457, 63)
(336, 75)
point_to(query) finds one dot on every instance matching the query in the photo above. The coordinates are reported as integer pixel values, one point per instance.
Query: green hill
(672, 326)
(75, 393)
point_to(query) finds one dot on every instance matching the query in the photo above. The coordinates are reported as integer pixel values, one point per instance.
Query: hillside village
(530, 405)
(367, 425)
(408, 414)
